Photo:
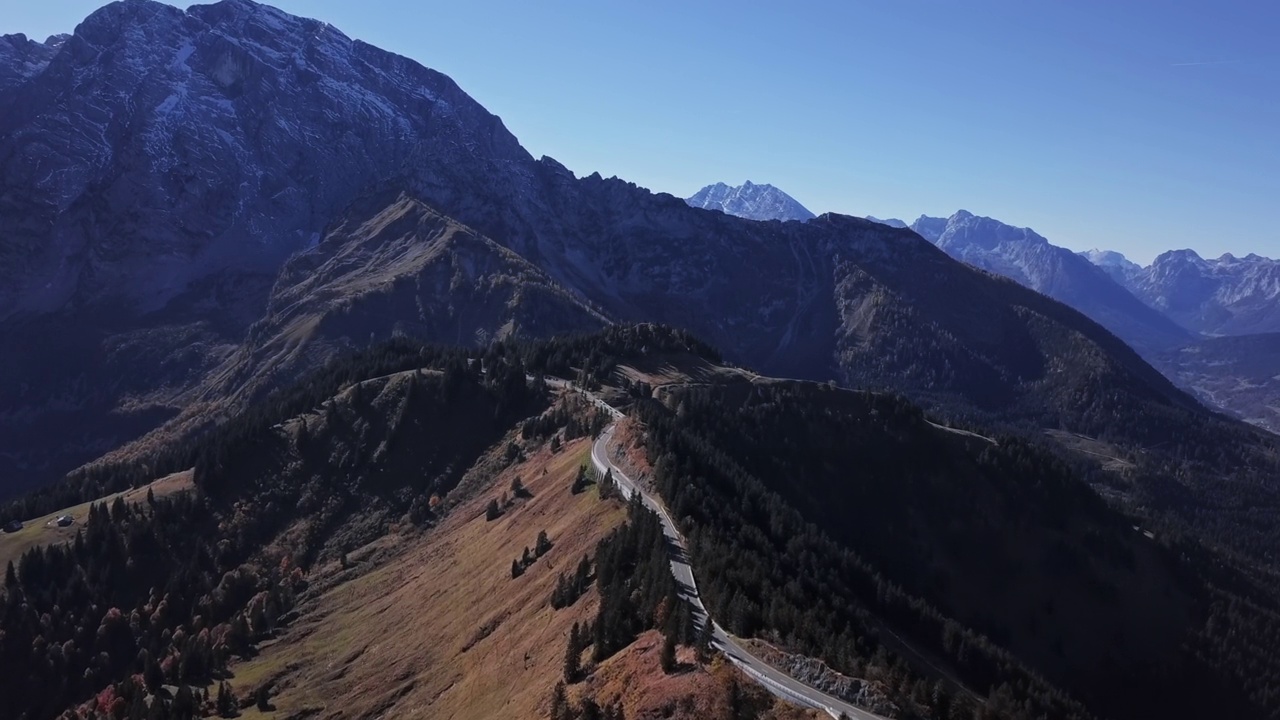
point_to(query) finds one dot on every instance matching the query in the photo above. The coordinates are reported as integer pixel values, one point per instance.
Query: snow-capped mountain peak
(750, 200)
(1120, 268)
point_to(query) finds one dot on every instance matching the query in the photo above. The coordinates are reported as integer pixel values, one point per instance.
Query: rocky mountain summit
(156, 147)
(751, 201)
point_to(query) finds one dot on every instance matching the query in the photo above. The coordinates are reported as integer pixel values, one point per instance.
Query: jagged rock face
(1029, 259)
(21, 58)
(751, 201)
(1226, 296)
(155, 147)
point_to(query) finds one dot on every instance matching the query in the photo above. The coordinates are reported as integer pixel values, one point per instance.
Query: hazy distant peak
(891, 222)
(929, 228)
(1185, 255)
(1109, 258)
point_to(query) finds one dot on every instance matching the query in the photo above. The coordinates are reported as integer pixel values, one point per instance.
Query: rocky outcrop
(817, 674)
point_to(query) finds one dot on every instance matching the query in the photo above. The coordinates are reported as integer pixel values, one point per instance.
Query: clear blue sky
(1138, 125)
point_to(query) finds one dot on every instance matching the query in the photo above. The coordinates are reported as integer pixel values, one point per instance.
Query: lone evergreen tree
(226, 703)
(667, 658)
(573, 656)
(492, 511)
(559, 702)
(704, 640)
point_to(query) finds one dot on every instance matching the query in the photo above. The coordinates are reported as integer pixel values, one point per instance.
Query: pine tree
(560, 596)
(226, 703)
(590, 710)
(573, 656)
(667, 658)
(492, 511)
(516, 569)
(687, 629)
(543, 544)
(152, 675)
(704, 640)
(559, 702)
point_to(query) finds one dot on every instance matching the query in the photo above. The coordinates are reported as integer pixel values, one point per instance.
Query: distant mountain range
(751, 201)
(1225, 296)
(1024, 256)
(1159, 310)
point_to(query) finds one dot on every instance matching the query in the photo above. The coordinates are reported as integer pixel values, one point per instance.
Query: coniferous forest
(844, 525)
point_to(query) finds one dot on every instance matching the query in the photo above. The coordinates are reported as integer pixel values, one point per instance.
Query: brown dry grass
(635, 678)
(44, 531)
(442, 630)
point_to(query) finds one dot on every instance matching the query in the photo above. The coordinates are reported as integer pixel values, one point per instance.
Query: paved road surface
(774, 681)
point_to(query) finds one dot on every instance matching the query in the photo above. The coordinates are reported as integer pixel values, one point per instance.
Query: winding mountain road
(770, 678)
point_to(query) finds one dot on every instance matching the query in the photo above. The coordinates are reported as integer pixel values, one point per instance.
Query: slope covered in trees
(846, 526)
